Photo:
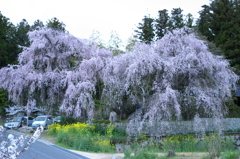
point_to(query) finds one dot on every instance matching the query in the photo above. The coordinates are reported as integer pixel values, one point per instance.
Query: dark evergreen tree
(56, 24)
(8, 43)
(204, 23)
(221, 23)
(161, 25)
(145, 30)
(176, 19)
(189, 20)
(38, 24)
(3, 102)
(21, 34)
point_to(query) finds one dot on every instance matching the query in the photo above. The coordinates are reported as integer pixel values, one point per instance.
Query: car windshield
(40, 118)
(16, 119)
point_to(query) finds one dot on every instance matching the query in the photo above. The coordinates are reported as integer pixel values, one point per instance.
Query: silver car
(42, 120)
(15, 122)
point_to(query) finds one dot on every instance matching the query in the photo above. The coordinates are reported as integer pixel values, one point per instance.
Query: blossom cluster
(11, 147)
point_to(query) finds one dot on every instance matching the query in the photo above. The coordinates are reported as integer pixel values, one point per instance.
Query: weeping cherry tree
(174, 78)
(57, 70)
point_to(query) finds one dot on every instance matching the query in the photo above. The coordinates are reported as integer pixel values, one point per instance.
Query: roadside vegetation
(105, 137)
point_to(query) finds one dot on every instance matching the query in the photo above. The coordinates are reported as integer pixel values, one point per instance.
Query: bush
(85, 137)
(97, 121)
(230, 155)
(215, 144)
(53, 129)
(65, 120)
(180, 143)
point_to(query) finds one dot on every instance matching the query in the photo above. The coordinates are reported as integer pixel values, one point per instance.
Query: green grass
(103, 139)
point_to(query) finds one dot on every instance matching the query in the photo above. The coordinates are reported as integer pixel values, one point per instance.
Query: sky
(81, 17)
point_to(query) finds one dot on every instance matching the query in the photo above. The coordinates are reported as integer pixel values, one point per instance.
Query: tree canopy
(57, 70)
(174, 78)
(54, 23)
(220, 23)
(153, 29)
(8, 42)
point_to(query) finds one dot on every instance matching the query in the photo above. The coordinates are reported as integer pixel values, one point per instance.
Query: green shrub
(99, 129)
(215, 144)
(82, 136)
(230, 155)
(180, 143)
(98, 121)
(68, 120)
(117, 131)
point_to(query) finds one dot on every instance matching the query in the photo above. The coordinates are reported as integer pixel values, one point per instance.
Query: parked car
(57, 119)
(17, 122)
(42, 120)
(29, 120)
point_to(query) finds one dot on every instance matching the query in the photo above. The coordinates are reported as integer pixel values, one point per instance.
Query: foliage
(85, 137)
(54, 23)
(162, 23)
(115, 43)
(3, 102)
(189, 20)
(216, 144)
(219, 22)
(95, 39)
(132, 40)
(81, 136)
(179, 143)
(154, 29)
(53, 129)
(230, 155)
(65, 120)
(234, 109)
(101, 121)
(176, 20)
(8, 45)
(21, 34)
(37, 25)
(145, 30)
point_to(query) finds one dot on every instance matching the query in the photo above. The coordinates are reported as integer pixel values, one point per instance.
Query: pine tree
(145, 30)
(204, 23)
(189, 20)
(8, 42)
(176, 19)
(21, 33)
(3, 102)
(220, 22)
(162, 23)
(54, 23)
(38, 24)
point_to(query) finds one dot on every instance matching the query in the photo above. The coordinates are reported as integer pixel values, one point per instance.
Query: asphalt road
(45, 150)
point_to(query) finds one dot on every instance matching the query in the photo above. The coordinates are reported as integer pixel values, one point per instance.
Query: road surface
(45, 150)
